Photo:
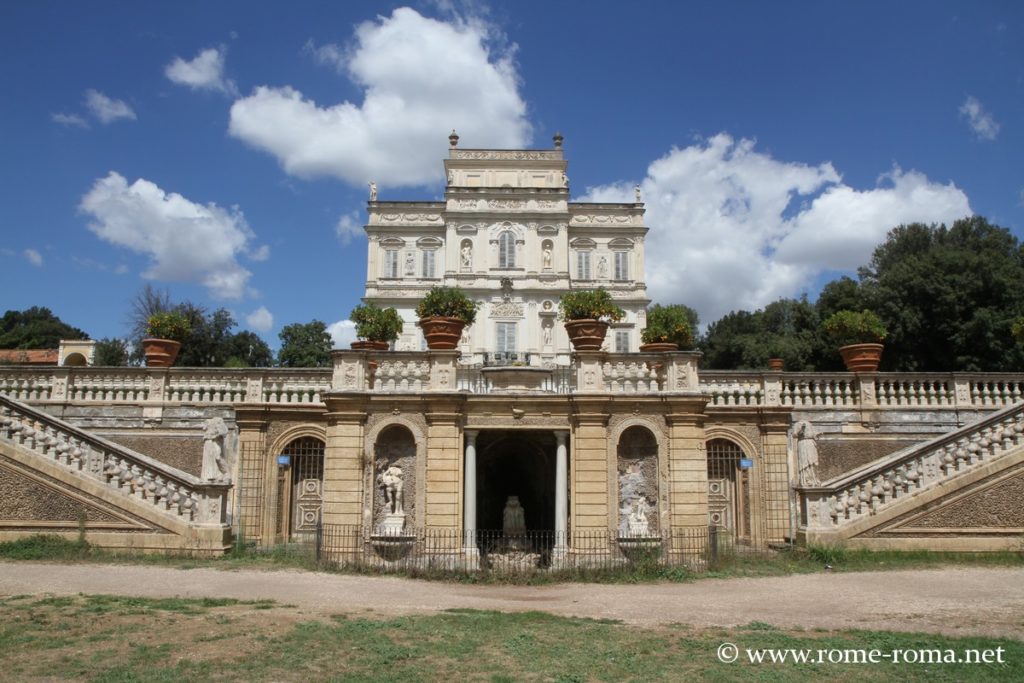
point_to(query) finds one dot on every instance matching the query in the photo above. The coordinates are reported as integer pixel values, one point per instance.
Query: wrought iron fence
(452, 551)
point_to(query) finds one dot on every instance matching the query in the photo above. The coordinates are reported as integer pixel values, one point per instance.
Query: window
(622, 265)
(391, 263)
(622, 341)
(507, 250)
(428, 262)
(505, 338)
(583, 265)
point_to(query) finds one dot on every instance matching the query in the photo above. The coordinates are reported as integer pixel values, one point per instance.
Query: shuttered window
(507, 250)
(505, 337)
(583, 265)
(622, 265)
(391, 263)
(429, 256)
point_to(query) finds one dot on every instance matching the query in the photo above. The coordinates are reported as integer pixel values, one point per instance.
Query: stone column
(561, 494)
(469, 501)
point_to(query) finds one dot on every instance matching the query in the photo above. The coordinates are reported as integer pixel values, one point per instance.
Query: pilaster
(588, 469)
(687, 465)
(444, 461)
(344, 458)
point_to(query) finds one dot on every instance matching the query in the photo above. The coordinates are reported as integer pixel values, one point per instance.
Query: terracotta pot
(370, 345)
(587, 334)
(659, 347)
(160, 353)
(441, 333)
(776, 363)
(861, 357)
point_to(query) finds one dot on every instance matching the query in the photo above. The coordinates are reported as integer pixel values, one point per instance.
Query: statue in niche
(390, 480)
(513, 518)
(410, 263)
(215, 463)
(467, 256)
(602, 267)
(373, 191)
(806, 455)
(547, 257)
(547, 334)
(637, 520)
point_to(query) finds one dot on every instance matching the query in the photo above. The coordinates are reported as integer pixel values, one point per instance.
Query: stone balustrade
(169, 490)
(873, 487)
(591, 372)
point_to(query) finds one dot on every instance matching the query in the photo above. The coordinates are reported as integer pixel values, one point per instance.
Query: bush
(1018, 330)
(44, 547)
(668, 325)
(852, 327)
(376, 324)
(168, 325)
(589, 304)
(447, 302)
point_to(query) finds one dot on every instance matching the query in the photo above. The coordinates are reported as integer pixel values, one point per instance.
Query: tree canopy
(305, 345)
(35, 328)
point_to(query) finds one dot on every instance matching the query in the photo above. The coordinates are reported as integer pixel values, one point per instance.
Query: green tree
(787, 329)
(35, 328)
(305, 345)
(246, 350)
(111, 352)
(207, 345)
(949, 296)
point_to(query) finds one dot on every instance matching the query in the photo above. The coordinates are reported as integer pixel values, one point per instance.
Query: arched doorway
(300, 483)
(728, 488)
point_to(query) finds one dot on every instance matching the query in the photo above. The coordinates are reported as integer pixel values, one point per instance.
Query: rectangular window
(583, 265)
(622, 341)
(622, 265)
(428, 263)
(505, 338)
(391, 263)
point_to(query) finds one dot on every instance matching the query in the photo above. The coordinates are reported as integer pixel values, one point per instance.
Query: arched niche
(637, 465)
(394, 446)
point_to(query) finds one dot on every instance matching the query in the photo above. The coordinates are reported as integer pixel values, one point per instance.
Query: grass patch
(460, 644)
(45, 547)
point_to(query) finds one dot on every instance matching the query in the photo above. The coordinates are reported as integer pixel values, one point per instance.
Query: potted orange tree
(587, 313)
(668, 329)
(859, 335)
(443, 313)
(376, 327)
(165, 331)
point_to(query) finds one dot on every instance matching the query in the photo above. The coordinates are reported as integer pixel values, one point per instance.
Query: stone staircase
(961, 491)
(58, 478)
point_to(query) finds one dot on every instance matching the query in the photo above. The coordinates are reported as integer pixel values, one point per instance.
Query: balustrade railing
(873, 487)
(169, 490)
(590, 372)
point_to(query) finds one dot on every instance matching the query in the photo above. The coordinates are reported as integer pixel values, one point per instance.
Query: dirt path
(953, 601)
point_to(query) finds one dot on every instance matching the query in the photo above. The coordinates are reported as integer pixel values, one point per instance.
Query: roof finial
(453, 139)
(558, 140)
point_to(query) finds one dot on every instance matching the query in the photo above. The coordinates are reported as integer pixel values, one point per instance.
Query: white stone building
(507, 234)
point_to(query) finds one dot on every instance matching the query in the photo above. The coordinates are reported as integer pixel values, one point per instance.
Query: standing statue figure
(390, 479)
(565, 179)
(215, 462)
(547, 335)
(513, 518)
(451, 177)
(637, 521)
(547, 257)
(373, 191)
(636, 191)
(467, 256)
(602, 267)
(806, 455)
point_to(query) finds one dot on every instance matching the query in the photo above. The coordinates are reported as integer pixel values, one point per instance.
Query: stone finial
(558, 140)
(453, 139)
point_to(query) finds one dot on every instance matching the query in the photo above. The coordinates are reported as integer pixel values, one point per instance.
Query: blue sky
(221, 150)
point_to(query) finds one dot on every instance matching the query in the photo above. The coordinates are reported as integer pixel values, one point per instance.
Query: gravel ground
(953, 601)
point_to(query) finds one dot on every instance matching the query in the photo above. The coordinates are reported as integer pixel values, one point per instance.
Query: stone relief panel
(637, 465)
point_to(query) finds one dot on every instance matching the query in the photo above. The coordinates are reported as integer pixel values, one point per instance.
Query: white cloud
(106, 109)
(261, 253)
(33, 257)
(733, 228)
(349, 227)
(204, 72)
(186, 241)
(260, 320)
(343, 333)
(69, 120)
(329, 54)
(421, 78)
(980, 121)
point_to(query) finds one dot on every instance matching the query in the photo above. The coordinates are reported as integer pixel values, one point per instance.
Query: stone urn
(442, 333)
(586, 334)
(160, 353)
(861, 357)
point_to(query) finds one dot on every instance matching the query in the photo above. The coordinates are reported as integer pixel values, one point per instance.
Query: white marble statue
(373, 191)
(547, 335)
(215, 462)
(806, 455)
(513, 518)
(602, 267)
(637, 520)
(390, 479)
(636, 191)
(467, 256)
(547, 257)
